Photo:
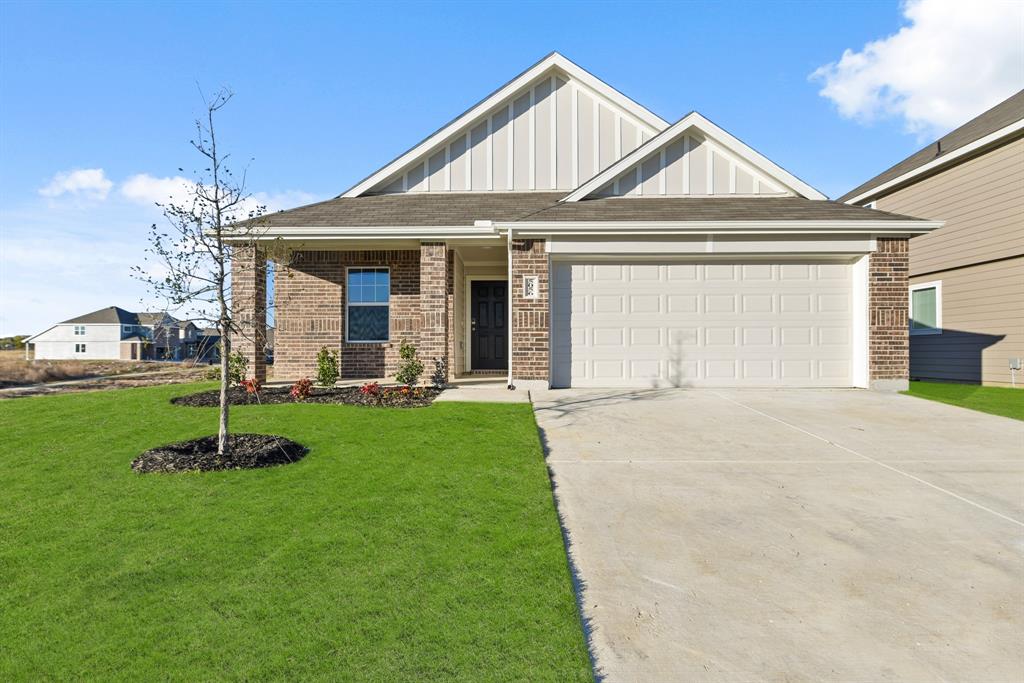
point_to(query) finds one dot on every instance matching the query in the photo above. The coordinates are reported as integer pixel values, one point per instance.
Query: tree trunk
(225, 351)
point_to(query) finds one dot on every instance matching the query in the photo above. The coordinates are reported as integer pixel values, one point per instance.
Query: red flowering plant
(370, 389)
(302, 389)
(252, 386)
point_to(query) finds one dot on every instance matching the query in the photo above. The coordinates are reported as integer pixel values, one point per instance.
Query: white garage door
(702, 324)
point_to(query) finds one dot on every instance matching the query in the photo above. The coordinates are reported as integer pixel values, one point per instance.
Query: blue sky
(328, 92)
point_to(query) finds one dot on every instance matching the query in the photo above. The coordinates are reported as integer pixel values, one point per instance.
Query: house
(967, 279)
(559, 234)
(110, 333)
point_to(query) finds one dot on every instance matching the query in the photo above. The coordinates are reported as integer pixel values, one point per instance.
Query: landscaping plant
(409, 367)
(440, 377)
(327, 367)
(301, 390)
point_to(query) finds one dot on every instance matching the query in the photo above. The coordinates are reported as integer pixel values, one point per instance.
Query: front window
(368, 293)
(926, 308)
(79, 348)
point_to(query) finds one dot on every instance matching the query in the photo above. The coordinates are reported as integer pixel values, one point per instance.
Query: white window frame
(127, 329)
(937, 286)
(349, 304)
(79, 331)
(80, 347)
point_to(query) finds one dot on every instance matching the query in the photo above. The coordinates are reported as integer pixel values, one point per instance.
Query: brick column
(249, 307)
(434, 282)
(888, 341)
(530, 319)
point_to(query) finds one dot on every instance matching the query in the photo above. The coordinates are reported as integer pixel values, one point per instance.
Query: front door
(488, 325)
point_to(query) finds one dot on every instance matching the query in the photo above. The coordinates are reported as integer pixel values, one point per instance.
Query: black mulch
(246, 451)
(237, 396)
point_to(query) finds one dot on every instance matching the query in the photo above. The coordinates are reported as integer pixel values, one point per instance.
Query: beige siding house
(966, 279)
(560, 234)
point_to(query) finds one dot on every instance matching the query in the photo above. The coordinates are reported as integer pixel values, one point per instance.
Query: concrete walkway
(791, 535)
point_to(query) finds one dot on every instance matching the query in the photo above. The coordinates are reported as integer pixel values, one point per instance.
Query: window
(926, 308)
(79, 348)
(368, 291)
(79, 330)
(127, 329)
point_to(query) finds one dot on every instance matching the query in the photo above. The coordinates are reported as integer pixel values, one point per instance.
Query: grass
(16, 371)
(995, 400)
(414, 544)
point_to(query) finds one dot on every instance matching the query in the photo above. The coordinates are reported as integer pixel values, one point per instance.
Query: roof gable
(111, 315)
(548, 128)
(694, 157)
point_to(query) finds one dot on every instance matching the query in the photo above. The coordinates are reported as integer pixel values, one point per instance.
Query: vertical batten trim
(490, 153)
(732, 177)
(686, 164)
(532, 149)
(757, 185)
(554, 135)
(597, 137)
(710, 169)
(511, 147)
(574, 131)
(618, 137)
(448, 168)
(405, 182)
(662, 173)
(469, 159)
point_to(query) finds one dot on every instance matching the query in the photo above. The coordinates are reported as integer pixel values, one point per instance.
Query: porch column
(888, 324)
(249, 307)
(530, 319)
(434, 282)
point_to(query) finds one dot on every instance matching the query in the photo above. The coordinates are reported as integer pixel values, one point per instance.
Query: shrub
(238, 367)
(251, 385)
(370, 389)
(409, 368)
(301, 390)
(440, 377)
(327, 367)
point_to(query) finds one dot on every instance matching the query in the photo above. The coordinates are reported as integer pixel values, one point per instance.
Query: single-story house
(560, 234)
(967, 279)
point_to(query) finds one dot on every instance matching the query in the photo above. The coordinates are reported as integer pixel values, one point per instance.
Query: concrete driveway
(791, 535)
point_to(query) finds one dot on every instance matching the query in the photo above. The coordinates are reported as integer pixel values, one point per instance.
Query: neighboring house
(561, 234)
(110, 333)
(967, 279)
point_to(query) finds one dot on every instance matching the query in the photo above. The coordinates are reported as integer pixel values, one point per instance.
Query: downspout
(511, 293)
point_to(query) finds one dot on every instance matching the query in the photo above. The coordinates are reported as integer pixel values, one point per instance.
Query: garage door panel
(710, 324)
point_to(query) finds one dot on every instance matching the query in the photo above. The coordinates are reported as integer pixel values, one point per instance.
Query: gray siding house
(967, 279)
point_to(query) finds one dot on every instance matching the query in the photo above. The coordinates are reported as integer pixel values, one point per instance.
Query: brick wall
(530, 329)
(435, 285)
(888, 345)
(310, 311)
(249, 307)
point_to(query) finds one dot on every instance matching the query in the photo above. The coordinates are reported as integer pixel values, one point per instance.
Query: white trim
(574, 131)
(722, 227)
(860, 369)
(349, 304)
(937, 286)
(552, 61)
(470, 279)
(940, 162)
(710, 130)
(531, 147)
(508, 305)
(553, 139)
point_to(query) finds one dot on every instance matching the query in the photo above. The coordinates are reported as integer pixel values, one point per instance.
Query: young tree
(189, 261)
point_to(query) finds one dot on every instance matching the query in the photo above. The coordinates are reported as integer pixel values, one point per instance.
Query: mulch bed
(246, 451)
(237, 396)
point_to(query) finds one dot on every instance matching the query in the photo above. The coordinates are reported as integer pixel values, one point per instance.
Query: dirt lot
(19, 377)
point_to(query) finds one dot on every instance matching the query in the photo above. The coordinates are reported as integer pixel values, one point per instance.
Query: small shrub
(301, 390)
(409, 368)
(327, 367)
(251, 385)
(212, 373)
(440, 377)
(370, 389)
(238, 367)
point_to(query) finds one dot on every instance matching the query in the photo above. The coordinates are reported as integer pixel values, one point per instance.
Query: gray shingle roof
(111, 315)
(999, 116)
(462, 209)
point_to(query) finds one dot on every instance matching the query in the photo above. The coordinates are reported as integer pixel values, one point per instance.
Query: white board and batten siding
(702, 324)
(552, 134)
(692, 165)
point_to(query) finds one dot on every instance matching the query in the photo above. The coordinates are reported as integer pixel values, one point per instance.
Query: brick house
(560, 234)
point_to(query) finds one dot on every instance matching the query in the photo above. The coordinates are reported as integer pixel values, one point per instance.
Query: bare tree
(188, 262)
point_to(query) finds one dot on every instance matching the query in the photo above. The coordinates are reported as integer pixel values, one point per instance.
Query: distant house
(966, 288)
(112, 333)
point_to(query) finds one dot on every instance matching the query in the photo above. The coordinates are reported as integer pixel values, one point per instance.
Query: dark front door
(489, 325)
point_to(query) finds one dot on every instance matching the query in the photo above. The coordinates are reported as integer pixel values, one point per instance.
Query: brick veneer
(435, 284)
(249, 307)
(888, 344)
(530, 317)
(310, 312)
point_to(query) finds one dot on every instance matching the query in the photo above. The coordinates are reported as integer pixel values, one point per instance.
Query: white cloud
(954, 60)
(146, 189)
(85, 182)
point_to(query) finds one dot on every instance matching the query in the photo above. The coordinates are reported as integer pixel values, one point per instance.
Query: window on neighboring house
(79, 348)
(127, 329)
(79, 330)
(926, 308)
(368, 294)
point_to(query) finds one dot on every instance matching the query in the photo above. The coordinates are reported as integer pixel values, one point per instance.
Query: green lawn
(996, 400)
(408, 545)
